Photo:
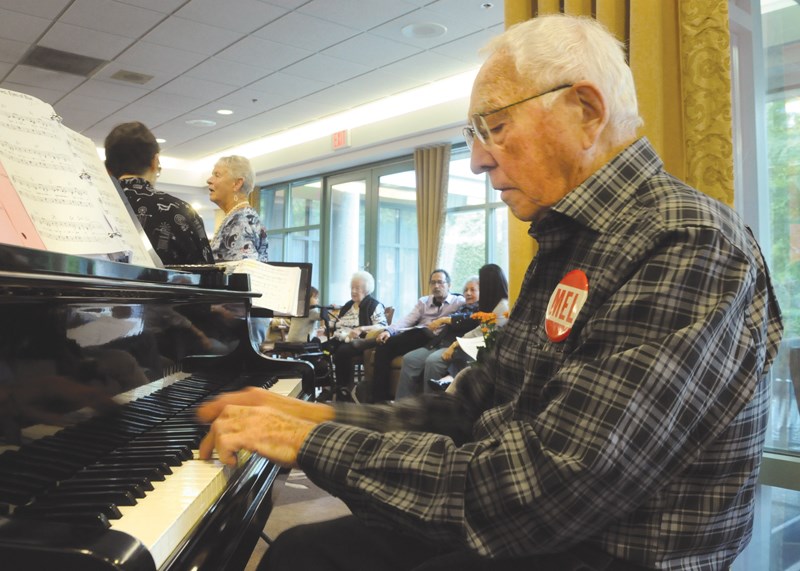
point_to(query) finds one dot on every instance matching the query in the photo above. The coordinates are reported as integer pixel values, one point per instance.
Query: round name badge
(565, 303)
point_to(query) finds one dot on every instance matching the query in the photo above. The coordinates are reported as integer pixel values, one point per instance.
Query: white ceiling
(275, 63)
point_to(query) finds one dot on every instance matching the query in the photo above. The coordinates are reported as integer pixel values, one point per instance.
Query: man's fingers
(251, 396)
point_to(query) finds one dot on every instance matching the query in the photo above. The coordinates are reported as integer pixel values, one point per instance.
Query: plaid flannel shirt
(640, 434)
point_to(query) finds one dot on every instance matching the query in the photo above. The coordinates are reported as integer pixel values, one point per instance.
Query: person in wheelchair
(361, 314)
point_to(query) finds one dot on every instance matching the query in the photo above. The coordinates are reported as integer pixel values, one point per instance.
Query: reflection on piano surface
(101, 368)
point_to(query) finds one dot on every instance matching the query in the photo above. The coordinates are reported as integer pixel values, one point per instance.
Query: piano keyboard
(170, 511)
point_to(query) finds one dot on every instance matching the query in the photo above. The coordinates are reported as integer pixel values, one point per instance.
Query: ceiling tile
(321, 103)
(468, 48)
(379, 84)
(37, 77)
(176, 131)
(136, 111)
(304, 31)
(12, 50)
(471, 11)
(456, 28)
(371, 50)
(239, 15)
(285, 84)
(116, 91)
(47, 95)
(226, 71)
(158, 78)
(77, 40)
(106, 15)
(327, 69)
(97, 105)
(170, 101)
(194, 87)
(361, 15)
(191, 36)
(241, 110)
(77, 119)
(252, 100)
(144, 56)
(21, 27)
(43, 8)
(163, 6)
(289, 4)
(263, 53)
(427, 67)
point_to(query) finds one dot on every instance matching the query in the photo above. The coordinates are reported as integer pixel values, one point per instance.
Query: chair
(368, 360)
(358, 362)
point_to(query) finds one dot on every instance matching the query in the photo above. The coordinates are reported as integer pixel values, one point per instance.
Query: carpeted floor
(299, 501)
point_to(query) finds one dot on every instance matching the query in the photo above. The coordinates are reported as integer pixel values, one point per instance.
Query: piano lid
(75, 332)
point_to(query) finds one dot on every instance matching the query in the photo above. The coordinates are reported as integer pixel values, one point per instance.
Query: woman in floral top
(241, 235)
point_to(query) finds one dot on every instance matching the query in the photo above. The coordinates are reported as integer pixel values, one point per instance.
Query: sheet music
(470, 345)
(60, 183)
(278, 285)
(16, 227)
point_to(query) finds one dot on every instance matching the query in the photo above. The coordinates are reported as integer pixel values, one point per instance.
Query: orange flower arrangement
(488, 325)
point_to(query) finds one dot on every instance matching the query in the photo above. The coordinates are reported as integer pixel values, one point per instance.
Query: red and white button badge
(565, 303)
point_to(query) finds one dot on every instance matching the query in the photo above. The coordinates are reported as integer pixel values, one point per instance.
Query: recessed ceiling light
(201, 123)
(161, 141)
(224, 112)
(424, 30)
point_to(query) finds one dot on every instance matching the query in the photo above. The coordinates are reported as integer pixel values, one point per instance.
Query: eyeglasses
(438, 282)
(478, 128)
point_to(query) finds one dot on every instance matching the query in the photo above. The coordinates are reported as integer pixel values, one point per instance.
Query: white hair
(240, 167)
(366, 278)
(560, 49)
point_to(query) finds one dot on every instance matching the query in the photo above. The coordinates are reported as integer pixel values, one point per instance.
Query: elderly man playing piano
(620, 422)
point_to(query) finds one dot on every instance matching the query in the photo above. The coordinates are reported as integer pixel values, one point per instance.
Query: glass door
(373, 227)
(348, 233)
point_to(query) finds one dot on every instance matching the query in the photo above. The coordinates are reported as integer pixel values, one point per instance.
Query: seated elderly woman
(361, 314)
(487, 293)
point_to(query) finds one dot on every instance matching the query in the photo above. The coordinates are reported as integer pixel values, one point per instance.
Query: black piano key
(182, 451)
(141, 459)
(132, 464)
(35, 509)
(15, 496)
(61, 497)
(61, 449)
(92, 519)
(120, 482)
(24, 479)
(37, 465)
(120, 472)
(134, 490)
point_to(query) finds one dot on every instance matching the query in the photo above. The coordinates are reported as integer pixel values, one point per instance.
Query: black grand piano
(102, 365)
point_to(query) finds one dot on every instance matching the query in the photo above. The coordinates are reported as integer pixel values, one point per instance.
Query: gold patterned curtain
(432, 165)
(679, 51)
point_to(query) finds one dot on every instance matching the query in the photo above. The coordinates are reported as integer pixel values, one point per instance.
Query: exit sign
(340, 139)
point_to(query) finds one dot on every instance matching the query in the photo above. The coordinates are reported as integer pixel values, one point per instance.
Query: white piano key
(168, 513)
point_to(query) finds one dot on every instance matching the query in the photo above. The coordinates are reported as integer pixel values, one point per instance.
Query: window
(292, 213)
(373, 226)
(765, 44)
(476, 223)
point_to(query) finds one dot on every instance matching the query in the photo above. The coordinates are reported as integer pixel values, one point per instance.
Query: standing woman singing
(241, 235)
